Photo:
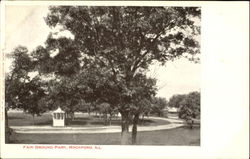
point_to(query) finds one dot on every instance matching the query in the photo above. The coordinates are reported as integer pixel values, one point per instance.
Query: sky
(25, 25)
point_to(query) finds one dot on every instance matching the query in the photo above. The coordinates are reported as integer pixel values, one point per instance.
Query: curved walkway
(174, 123)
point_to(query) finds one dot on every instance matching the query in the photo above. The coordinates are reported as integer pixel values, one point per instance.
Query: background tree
(122, 42)
(175, 100)
(31, 96)
(190, 108)
(16, 79)
(107, 112)
(20, 89)
(158, 104)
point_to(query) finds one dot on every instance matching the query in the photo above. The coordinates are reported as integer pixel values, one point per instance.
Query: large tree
(122, 42)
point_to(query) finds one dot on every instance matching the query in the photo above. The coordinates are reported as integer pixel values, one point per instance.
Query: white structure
(58, 117)
(172, 110)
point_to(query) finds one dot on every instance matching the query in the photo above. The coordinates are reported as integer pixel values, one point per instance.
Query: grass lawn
(22, 119)
(171, 137)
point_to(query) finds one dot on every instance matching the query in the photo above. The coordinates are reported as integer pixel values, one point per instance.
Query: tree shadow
(105, 123)
(145, 122)
(49, 122)
(83, 118)
(77, 122)
(15, 117)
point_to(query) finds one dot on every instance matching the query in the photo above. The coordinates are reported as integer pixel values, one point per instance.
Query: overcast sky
(24, 25)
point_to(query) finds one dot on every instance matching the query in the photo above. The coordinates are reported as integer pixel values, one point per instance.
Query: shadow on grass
(15, 117)
(76, 122)
(44, 123)
(145, 122)
(195, 126)
(83, 118)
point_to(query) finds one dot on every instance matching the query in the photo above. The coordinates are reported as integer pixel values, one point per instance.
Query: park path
(174, 123)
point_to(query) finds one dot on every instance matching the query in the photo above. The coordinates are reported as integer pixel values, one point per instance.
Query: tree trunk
(142, 119)
(89, 111)
(192, 123)
(159, 114)
(105, 118)
(134, 129)
(33, 115)
(6, 119)
(110, 119)
(72, 116)
(7, 130)
(125, 129)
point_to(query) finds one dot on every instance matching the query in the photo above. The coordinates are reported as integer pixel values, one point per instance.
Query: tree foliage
(188, 106)
(21, 91)
(175, 100)
(159, 104)
(126, 40)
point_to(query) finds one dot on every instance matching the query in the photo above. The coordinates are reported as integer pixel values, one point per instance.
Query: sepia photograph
(102, 75)
(124, 79)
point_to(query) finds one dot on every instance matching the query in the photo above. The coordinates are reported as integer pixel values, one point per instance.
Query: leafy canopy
(137, 35)
(121, 42)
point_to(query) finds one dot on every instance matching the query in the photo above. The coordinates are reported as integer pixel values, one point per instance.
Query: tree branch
(136, 66)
